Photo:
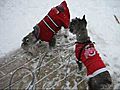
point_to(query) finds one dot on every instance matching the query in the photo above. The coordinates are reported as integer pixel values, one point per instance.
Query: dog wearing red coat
(49, 26)
(99, 77)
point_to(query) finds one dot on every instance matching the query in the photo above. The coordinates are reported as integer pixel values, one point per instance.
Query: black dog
(99, 77)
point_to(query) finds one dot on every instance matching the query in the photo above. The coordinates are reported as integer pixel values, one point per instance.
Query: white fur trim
(97, 72)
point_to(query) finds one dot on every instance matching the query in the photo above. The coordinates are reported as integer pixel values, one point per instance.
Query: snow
(17, 17)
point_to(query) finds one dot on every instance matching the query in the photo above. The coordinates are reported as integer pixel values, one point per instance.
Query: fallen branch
(116, 19)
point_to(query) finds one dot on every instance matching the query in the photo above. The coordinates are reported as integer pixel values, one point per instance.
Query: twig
(116, 19)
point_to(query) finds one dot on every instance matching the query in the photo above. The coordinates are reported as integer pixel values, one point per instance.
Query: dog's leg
(52, 43)
(66, 34)
(79, 66)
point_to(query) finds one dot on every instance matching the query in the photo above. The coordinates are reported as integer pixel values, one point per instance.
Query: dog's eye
(27, 40)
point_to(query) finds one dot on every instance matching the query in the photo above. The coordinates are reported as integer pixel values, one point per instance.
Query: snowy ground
(52, 71)
(17, 17)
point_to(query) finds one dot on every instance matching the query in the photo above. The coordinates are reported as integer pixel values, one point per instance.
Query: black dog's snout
(71, 27)
(24, 43)
(71, 30)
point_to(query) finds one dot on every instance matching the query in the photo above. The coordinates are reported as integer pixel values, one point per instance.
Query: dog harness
(90, 58)
(53, 22)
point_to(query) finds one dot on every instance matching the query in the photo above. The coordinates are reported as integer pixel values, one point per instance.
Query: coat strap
(49, 26)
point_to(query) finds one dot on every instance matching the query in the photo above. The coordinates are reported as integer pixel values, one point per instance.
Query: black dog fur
(103, 80)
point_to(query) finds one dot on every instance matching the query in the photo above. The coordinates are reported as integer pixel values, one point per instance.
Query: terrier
(99, 77)
(48, 27)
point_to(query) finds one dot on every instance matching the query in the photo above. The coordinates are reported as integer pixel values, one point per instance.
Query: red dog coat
(53, 22)
(89, 57)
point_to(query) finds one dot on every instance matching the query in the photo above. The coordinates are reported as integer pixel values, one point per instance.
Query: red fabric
(65, 17)
(60, 18)
(89, 57)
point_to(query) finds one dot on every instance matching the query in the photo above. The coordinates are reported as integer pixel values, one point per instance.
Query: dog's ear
(83, 18)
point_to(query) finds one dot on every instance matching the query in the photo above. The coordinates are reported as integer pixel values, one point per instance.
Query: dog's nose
(24, 44)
